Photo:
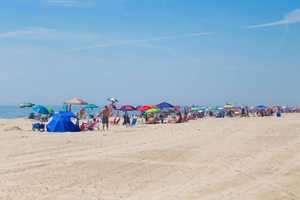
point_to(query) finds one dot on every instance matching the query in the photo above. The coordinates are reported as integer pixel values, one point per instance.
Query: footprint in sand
(14, 128)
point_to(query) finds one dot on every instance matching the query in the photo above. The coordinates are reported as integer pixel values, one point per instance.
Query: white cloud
(132, 42)
(292, 17)
(28, 32)
(69, 3)
(46, 34)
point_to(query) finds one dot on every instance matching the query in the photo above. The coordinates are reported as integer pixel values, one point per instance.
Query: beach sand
(255, 158)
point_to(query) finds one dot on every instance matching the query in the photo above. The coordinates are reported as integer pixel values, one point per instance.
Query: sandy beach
(254, 158)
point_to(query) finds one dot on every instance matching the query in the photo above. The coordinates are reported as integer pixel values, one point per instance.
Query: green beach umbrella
(50, 110)
(153, 110)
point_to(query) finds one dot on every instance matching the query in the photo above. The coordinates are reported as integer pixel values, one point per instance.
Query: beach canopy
(165, 105)
(62, 122)
(145, 108)
(76, 101)
(91, 106)
(40, 109)
(153, 110)
(113, 100)
(127, 108)
(26, 105)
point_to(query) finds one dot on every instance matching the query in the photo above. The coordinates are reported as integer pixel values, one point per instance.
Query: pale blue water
(13, 112)
(9, 112)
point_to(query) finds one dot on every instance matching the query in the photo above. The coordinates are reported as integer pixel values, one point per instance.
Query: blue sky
(148, 51)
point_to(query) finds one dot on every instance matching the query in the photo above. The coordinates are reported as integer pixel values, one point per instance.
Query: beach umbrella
(76, 101)
(165, 105)
(195, 108)
(145, 108)
(153, 110)
(203, 107)
(261, 107)
(127, 108)
(50, 110)
(228, 106)
(113, 100)
(40, 109)
(91, 106)
(26, 105)
(213, 108)
(64, 108)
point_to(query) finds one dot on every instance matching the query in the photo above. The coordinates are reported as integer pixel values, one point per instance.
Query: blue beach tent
(62, 122)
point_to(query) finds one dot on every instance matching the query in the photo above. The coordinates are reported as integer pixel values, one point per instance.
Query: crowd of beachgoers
(90, 117)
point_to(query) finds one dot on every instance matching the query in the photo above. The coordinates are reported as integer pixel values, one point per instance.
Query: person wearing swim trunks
(105, 113)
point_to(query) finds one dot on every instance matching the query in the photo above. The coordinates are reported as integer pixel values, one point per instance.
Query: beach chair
(38, 127)
(134, 122)
(91, 125)
(116, 120)
(95, 125)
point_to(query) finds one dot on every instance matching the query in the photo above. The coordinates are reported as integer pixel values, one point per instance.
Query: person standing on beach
(105, 113)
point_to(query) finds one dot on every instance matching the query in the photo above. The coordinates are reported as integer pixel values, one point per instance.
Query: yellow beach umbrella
(228, 106)
(153, 110)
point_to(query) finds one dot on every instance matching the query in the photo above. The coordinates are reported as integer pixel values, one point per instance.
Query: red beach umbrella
(145, 108)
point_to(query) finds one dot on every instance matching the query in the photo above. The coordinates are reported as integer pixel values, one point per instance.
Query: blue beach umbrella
(164, 106)
(40, 109)
(261, 107)
(91, 106)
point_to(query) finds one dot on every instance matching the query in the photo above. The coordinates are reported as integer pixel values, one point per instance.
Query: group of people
(107, 117)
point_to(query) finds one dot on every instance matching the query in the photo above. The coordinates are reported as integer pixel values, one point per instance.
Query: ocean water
(11, 112)
(14, 112)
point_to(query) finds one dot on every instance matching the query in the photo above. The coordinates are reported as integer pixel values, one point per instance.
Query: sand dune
(206, 159)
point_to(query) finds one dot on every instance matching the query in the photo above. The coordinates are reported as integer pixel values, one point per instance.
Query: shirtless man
(105, 113)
